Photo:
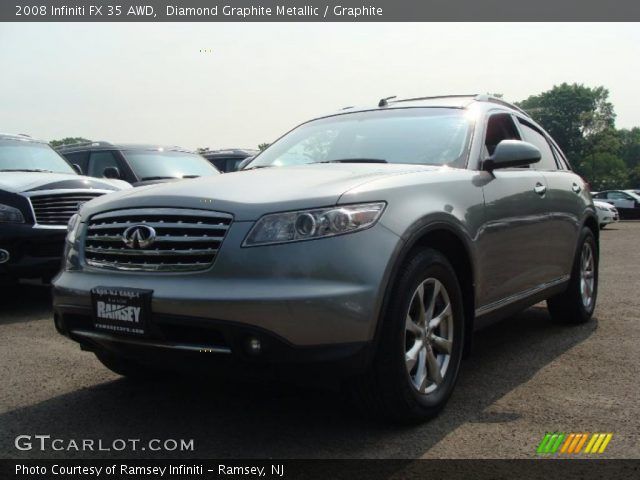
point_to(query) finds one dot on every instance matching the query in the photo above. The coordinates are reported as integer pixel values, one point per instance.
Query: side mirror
(512, 153)
(77, 168)
(111, 172)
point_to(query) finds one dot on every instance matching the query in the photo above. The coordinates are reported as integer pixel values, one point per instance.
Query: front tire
(420, 348)
(577, 303)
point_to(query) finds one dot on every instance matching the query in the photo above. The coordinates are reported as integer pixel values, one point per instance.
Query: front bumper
(306, 300)
(34, 252)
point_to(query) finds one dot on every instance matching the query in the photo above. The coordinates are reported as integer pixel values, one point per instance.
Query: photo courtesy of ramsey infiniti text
(368, 244)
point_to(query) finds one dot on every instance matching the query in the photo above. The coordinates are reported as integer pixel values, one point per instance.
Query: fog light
(254, 346)
(4, 256)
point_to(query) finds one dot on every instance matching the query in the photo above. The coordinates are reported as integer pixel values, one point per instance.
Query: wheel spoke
(420, 379)
(412, 327)
(432, 300)
(442, 345)
(411, 357)
(421, 316)
(435, 322)
(433, 368)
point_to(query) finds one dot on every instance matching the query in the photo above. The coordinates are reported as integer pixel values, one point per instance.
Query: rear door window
(534, 137)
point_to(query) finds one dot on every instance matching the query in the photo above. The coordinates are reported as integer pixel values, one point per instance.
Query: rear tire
(419, 352)
(577, 303)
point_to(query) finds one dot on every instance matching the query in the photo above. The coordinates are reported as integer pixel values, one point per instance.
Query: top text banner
(317, 10)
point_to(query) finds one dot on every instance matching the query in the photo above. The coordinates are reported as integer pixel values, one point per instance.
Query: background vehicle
(607, 213)
(626, 201)
(228, 160)
(39, 192)
(371, 243)
(137, 164)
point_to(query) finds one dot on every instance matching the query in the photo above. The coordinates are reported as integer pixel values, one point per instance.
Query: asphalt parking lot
(526, 376)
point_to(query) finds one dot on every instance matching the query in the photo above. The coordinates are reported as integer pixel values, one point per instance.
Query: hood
(249, 194)
(18, 182)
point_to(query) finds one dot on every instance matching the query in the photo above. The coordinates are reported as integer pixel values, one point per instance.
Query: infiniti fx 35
(370, 243)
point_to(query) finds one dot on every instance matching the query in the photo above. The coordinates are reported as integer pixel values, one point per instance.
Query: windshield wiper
(143, 179)
(190, 176)
(37, 170)
(259, 166)
(355, 160)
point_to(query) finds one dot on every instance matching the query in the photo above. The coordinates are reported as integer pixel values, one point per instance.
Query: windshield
(153, 164)
(20, 155)
(429, 136)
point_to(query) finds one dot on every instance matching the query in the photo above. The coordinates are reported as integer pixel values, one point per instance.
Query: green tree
(630, 147)
(263, 146)
(68, 141)
(570, 113)
(602, 163)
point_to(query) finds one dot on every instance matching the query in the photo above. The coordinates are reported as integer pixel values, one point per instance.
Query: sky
(236, 85)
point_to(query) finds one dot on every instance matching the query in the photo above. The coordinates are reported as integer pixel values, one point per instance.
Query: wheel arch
(455, 244)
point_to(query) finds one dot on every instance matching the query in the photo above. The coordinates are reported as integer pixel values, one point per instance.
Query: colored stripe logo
(574, 443)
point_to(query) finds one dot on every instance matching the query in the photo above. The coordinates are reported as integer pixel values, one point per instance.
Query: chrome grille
(57, 208)
(185, 240)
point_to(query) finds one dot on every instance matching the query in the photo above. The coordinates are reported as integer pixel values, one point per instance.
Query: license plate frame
(121, 310)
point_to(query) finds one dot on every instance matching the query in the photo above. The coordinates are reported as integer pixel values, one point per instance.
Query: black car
(229, 160)
(137, 164)
(39, 192)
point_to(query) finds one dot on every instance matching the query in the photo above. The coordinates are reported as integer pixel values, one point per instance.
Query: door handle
(540, 189)
(576, 188)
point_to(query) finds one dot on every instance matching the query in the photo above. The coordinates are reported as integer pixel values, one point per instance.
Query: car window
(79, 158)
(152, 164)
(24, 155)
(499, 127)
(534, 137)
(619, 196)
(561, 161)
(428, 136)
(98, 161)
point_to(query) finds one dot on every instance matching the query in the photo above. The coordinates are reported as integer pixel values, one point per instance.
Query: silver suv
(370, 243)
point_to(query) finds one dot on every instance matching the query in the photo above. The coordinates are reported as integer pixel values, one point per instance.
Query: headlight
(73, 227)
(10, 214)
(311, 224)
(604, 209)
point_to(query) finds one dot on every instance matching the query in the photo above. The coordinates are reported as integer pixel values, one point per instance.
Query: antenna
(385, 101)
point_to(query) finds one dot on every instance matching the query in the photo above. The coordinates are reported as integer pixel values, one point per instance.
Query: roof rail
(89, 143)
(23, 135)
(493, 99)
(434, 97)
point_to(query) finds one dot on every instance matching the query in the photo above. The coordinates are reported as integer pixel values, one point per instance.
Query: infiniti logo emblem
(139, 236)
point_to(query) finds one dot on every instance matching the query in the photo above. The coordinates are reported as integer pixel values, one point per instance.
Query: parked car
(370, 243)
(137, 164)
(626, 201)
(39, 192)
(607, 213)
(228, 160)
